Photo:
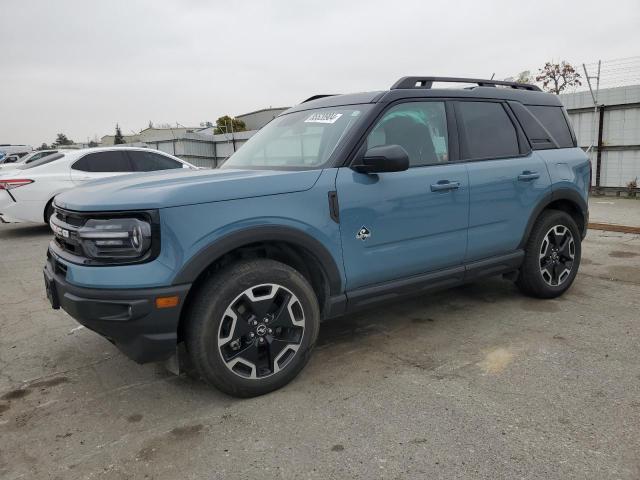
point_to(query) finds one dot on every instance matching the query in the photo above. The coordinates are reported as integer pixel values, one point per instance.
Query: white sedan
(26, 193)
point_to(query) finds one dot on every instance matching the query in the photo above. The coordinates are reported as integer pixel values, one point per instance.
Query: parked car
(9, 159)
(14, 161)
(7, 149)
(338, 204)
(27, 192)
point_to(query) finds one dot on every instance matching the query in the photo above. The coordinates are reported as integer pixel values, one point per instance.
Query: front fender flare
(256, 234)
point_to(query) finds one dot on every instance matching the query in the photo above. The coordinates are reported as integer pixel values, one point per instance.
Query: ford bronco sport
(339, 203)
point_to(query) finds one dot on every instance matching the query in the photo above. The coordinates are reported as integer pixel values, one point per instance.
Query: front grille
(70, 218)
(65, 227)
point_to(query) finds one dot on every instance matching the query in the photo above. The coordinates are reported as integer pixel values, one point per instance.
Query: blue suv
(338, 204)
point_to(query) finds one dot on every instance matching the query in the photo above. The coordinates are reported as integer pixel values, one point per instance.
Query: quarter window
(487, 131)
(553, 120)
(114, 161)
(418, 127)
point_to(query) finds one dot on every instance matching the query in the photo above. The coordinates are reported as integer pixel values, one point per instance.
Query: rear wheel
(552, 256)
(252, 327)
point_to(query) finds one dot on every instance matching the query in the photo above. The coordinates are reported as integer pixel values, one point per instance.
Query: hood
(173, 188)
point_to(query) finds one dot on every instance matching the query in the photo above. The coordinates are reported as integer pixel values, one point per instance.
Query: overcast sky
(78, 66)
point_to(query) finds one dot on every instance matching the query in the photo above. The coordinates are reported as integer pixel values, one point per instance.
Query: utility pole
(594, 97)
(598, 111)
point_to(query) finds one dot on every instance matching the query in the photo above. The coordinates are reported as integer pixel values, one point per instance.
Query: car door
(100, 165)
(398, 224)
(507, 180)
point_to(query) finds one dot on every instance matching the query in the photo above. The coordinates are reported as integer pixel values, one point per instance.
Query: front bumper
(128, 318)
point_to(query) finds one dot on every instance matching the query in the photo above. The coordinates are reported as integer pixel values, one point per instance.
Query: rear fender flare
(561, 194)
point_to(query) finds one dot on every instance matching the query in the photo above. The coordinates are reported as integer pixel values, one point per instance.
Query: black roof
(491, 89)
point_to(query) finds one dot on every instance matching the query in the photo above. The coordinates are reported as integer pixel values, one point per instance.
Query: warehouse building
(199, 145)
(258, 119)
(611, 133)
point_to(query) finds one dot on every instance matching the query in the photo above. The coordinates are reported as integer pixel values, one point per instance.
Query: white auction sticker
(323, 117)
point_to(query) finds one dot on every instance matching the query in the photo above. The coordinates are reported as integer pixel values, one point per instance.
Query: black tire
(210, 308)
(545, 276)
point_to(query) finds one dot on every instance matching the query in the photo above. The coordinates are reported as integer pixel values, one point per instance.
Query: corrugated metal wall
(620, 151)
(208, 151)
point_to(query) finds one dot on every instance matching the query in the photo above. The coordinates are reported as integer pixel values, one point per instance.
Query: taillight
(14, 183)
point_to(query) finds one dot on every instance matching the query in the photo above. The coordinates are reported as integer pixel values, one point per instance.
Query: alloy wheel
(557, 255)
(261, 331)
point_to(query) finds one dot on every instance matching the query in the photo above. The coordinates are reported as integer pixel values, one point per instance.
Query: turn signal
(167, 302)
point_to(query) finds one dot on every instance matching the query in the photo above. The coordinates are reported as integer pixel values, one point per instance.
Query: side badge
(363, 234)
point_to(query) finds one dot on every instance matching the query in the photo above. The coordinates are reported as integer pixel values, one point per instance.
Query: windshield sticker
(326, 117)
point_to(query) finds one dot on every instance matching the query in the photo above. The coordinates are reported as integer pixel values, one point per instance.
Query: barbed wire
(618, 72)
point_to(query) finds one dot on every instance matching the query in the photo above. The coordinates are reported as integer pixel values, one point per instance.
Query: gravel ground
(474, 382)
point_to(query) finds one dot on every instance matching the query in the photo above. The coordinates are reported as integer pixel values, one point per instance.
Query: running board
(418, 284)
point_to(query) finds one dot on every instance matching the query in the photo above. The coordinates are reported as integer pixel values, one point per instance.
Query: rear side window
(487, 131)
(150, 162)
(554, 121)
(116, 161)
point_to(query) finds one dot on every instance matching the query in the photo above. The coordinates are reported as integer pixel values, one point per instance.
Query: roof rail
(316, 97)
(427, 82)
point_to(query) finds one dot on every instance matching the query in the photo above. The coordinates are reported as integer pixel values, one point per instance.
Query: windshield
(299, 140)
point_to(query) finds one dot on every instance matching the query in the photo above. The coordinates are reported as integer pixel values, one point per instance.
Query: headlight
(115, 238)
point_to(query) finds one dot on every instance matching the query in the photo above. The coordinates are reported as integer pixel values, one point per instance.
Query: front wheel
(552, 256)
(252, 327)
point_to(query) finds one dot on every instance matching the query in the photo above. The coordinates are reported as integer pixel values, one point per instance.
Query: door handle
(528, 175)
(444, 185)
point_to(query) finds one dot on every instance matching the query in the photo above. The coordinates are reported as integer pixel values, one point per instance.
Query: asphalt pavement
(474, 382)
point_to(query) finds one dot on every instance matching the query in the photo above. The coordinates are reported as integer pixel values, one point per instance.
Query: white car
(14, 161)
(26, 193)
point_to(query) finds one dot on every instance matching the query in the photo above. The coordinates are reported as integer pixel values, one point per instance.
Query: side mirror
(384, 158)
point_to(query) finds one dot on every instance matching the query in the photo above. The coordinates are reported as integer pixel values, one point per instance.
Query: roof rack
(427, 82)
(316, 97)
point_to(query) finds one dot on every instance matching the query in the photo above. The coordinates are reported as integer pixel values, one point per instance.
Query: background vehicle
(26, 192)
(14, 161)
(336, 205)
(7, 149)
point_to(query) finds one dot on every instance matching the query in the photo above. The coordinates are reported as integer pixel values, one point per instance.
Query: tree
(557, 77)
(61, 140)
(524, 77)
(227, 124)
(118, 139)
(93, 144)
(44, 146)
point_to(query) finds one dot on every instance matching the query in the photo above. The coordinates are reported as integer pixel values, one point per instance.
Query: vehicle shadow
(26, 230)
(416, 310)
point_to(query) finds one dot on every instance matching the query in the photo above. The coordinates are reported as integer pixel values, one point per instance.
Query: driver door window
(418, 127)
